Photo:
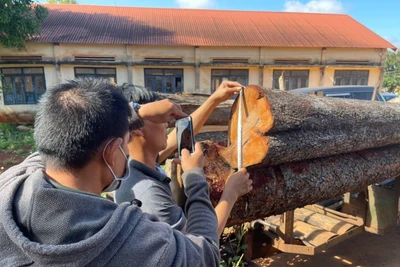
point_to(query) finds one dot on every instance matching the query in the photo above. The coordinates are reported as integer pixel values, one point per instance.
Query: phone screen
(185, 137)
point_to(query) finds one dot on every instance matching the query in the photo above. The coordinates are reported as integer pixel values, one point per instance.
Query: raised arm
(200, 115)
(157, 112)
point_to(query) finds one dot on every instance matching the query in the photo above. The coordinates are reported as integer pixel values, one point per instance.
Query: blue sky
(383, 17)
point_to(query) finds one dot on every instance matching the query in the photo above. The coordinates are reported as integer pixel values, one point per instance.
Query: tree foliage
(20, 20)
(391, 79)
(61, 1)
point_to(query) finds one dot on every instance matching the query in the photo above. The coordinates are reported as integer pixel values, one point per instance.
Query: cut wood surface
(295, 184)
(280, 127)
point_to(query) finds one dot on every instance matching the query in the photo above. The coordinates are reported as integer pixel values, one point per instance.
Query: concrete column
(322, 68)
(197, 70)
(129, 61)
(261, 76)
(57, 57)
(261, 68)
(322, 76)
(378, 87)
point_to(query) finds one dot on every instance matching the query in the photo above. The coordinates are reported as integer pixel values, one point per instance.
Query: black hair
(74, 118)
(139, 94)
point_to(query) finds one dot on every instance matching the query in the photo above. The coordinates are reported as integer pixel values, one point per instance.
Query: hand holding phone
(193, 160)
(184, 135)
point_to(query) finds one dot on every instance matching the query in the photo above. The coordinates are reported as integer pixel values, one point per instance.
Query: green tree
(61, 1)
(391, 80)
(20, 20)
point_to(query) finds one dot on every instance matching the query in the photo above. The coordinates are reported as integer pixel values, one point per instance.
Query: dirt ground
(11, 158)
(364, 250)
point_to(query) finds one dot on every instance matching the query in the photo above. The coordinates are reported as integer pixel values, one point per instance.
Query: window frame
(229, 77)
(96, 75)
(290, 78)
(164, 78)
(23, 75)
(351, 77)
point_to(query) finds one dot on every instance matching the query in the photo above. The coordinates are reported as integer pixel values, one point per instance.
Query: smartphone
(184, 135)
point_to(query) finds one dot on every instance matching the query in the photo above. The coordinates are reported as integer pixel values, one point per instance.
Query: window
(164, 80)
(290, 79)
(356, 95)
(105, 73)
(22, 85)
(351, 77)
(238, 75)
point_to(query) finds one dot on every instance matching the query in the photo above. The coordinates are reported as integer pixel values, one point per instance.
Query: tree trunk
(189, 102)
(281, 127)
(292, 185)
(302, 149)
(220, 115)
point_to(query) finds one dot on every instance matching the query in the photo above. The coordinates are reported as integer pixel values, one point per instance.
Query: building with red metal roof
(186, 27)
(173, 50)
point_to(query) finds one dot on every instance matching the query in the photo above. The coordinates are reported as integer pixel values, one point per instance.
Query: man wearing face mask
(55, 216)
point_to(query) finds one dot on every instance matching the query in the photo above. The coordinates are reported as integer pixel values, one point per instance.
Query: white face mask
(117, 181)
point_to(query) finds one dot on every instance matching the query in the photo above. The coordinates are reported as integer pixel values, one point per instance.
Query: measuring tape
(239, 142)
(239, 131)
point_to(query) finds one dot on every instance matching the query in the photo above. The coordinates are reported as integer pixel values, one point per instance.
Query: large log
(220, 115)
(302, 149)
(189, 102)
(295, 184)
(280, 127)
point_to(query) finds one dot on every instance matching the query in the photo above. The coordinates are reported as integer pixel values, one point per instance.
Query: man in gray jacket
(55, 216)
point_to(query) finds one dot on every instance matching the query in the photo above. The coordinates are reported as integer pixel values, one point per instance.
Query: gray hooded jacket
(41, 225)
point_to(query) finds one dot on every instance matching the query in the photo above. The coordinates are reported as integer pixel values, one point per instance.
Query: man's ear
(137, 132)
(111, 149)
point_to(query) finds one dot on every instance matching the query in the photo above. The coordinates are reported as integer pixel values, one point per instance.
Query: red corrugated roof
(161, 26)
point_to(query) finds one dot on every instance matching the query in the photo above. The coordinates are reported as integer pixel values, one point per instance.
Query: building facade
(198, 66)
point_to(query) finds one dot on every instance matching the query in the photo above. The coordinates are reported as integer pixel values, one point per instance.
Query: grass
(13, 140)
(15, 145)
(20, 151)
(8, 161)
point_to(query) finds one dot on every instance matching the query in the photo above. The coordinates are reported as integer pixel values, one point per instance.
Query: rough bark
(220, 115)
(295, 184)
(281, 127)
(189, 102)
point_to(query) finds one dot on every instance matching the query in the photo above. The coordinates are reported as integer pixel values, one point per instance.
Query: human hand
(225, 90)
(238, 184)
(190, 161)
(161, 111)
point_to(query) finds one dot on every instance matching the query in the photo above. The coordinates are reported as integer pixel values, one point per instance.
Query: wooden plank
(174, 172)
(340, 238)
(335, 214)
(323, 221)
(213, 128)
(287, 226)
(311, 235)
